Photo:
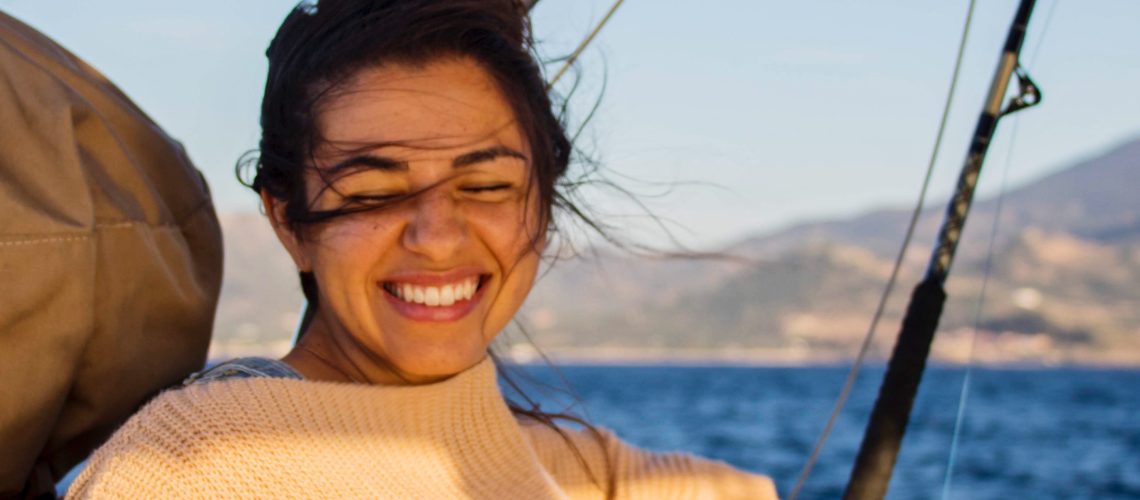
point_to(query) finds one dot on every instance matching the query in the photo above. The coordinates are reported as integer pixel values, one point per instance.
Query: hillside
(1063, 285)
(1094, 199)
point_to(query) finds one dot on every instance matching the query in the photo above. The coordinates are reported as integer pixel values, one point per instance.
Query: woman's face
(423, 285)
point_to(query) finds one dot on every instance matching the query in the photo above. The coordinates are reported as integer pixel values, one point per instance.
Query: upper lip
(435, 278)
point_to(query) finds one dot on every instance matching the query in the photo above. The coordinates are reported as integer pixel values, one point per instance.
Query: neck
(322, 354)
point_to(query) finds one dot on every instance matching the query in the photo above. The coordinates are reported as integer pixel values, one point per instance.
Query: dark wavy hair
(321, 46)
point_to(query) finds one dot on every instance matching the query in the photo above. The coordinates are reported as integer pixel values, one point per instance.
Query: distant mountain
(1096, 199)
(1064, 283)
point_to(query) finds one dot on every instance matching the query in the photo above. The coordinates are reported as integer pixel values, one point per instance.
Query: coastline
(800, 358)
(794, 357)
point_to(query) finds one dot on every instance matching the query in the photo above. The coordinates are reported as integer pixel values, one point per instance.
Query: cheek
(349, 249)
(510, 234)
(512, 237)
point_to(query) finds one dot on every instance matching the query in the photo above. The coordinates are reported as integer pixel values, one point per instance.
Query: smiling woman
(409, 164)
(416, 285)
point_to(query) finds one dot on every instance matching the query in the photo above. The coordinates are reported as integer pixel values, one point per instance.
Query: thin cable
(963, 395)
(853, 374)
(964, 391)
(582, 46)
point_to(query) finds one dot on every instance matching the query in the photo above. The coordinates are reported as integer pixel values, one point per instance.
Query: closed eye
(370, 198)
(482, 189)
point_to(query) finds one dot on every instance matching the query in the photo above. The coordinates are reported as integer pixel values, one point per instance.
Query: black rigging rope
(853, 374)
(570, 60)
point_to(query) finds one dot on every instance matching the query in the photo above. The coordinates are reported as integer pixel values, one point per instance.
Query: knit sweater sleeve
(142, 459)
(638, 473)
(648, 475)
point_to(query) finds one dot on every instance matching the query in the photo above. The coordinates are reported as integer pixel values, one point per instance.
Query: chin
(428, 362)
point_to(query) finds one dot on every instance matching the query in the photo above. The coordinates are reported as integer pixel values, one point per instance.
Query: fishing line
(853, 374)
(582, 46)
(970, 356)
(963, 394)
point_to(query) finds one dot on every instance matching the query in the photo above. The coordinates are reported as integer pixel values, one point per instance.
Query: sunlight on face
(422, 285)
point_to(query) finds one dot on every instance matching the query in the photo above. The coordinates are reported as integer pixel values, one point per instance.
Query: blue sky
(794, 110)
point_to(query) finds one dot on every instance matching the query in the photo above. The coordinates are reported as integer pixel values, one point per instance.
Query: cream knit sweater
(282, 438)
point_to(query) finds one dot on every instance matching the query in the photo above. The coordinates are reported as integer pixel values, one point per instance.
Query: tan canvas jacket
(110, 260)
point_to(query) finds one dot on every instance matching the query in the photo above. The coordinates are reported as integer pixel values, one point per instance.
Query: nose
(436, 229)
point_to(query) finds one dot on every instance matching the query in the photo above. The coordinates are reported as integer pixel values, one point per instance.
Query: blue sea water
(1037, 434)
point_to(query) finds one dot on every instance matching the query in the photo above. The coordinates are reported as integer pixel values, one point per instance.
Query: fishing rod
(883, 436)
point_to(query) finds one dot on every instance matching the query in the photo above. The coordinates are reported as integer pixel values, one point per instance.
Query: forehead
(447, 103)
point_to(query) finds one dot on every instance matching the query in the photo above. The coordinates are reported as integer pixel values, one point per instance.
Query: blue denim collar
(244, 368)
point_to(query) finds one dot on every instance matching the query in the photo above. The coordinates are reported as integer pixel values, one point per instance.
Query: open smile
(435, 295)
(435, 302)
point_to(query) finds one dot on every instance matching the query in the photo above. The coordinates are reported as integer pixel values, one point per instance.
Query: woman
(408, 163)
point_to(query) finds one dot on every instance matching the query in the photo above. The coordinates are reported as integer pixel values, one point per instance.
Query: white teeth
(431, 296)
(435, 296)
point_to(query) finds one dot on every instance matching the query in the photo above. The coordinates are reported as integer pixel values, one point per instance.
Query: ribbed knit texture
(280, 438)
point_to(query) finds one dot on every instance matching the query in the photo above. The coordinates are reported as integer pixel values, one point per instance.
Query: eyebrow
(361, 162)
(391, 165)
(483, 155)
